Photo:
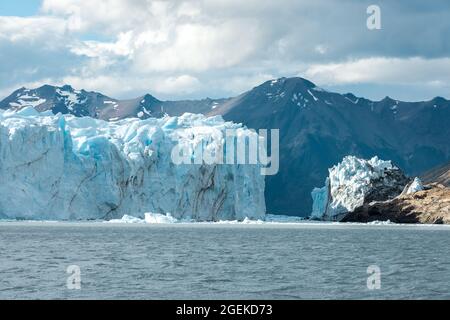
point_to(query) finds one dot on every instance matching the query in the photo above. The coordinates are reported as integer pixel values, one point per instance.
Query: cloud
(117, 86)
(222, 47)
(382, 70)
(33, 30)
(198, 47)
(106, 16)
(32, 49)
(182, 84)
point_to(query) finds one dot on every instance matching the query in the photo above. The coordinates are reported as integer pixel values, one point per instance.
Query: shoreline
(225, 224)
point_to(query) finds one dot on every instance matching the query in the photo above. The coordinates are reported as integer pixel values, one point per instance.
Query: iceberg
(354, 182)
(60, 167)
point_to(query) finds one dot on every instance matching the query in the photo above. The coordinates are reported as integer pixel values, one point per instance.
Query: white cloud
(42, 30)
(95, 49)
(181, 84)
(237, 84)
(321, 49)
(382, 70)
(196, 47)
(220, 47)
(107, 16)
(118, 86)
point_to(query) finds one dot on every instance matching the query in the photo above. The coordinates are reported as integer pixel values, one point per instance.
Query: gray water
(215, 261)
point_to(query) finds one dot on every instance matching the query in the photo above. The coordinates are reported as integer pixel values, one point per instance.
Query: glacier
(59, 167)
(354, 182)
(414, 186)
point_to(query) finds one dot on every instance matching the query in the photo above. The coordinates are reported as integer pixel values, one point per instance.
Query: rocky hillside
(431, 205)
(440, 175)
(318, 128)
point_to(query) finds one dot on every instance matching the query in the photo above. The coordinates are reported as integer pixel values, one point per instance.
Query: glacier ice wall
(66, 168)
(354, 182)
(320, 200)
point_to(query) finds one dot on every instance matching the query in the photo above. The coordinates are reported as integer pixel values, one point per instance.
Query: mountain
(440, 175)
(67, 100)
(63, 99)
(318, 129)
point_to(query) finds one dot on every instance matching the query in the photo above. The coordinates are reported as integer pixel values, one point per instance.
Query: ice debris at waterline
(157, 218)
(66, 168)
(354, 182)
(149, 217)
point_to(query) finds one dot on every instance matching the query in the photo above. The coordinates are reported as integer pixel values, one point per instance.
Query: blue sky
(19, 8)
(191, 49)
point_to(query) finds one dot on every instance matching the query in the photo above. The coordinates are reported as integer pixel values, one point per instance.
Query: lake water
(223, 261)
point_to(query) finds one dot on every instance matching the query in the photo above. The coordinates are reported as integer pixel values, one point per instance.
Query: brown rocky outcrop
(440, 175)
(430, 206)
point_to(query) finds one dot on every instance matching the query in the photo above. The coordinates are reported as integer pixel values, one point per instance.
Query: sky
(220, 48)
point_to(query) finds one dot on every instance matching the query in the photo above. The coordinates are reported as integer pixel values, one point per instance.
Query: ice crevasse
(67, 168)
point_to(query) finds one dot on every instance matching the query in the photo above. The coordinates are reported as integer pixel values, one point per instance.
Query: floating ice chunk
(159, 218)
(127, 219)
(381, 223)
(149, 217)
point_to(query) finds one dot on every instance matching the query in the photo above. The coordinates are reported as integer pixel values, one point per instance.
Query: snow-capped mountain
(318, 129)
(80, 103)
(65, 100)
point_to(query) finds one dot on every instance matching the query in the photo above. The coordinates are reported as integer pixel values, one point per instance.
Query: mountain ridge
(317, 129)
(70, 88)
(67, 100)
(440, 174)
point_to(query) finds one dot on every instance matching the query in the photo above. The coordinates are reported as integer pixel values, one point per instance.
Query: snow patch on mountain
(71, 98)
(312, 95)
(24, 99)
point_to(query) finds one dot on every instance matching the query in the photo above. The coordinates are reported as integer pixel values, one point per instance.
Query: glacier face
(320, 200)
(66, 168)
(354, 182)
